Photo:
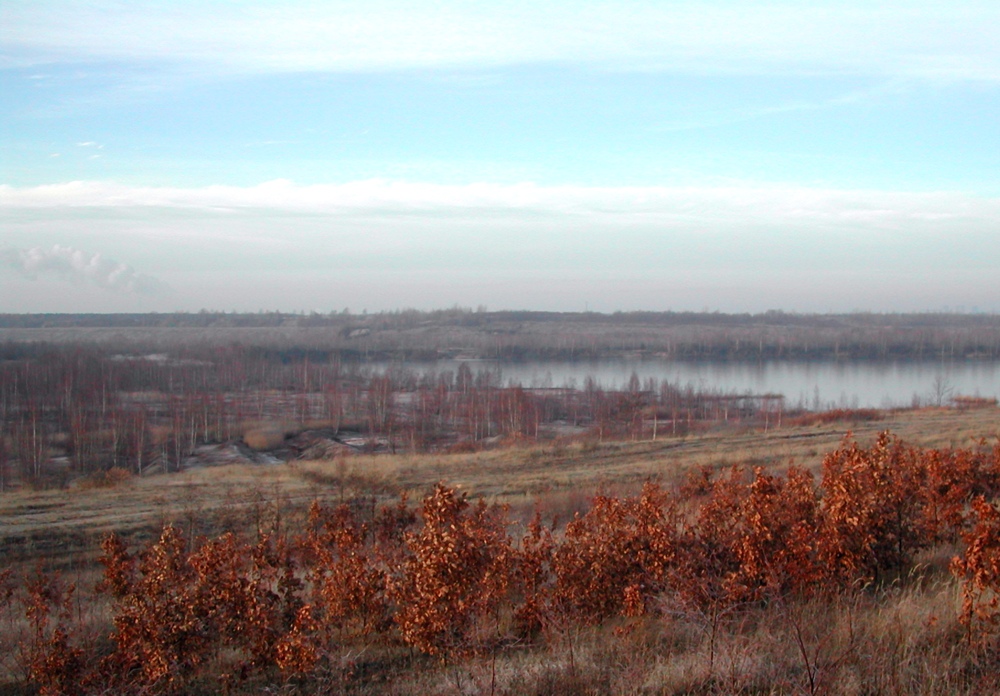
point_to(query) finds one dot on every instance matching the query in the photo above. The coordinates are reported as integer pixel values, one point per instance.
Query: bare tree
(941, 390)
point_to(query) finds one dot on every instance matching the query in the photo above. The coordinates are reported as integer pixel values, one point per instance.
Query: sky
(317, 156)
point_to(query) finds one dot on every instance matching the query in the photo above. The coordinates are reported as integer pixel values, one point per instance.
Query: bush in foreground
(755, 582)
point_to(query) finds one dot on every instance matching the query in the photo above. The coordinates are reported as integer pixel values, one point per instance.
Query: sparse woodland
(81, 411)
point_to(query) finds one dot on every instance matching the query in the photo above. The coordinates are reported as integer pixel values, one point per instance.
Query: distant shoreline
(514, 336)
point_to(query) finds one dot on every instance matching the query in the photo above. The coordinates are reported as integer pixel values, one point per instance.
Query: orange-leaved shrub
(159, 633)
(617, 557)
(54, 665)
(457, 573)
(776, 536)
(871, 516)
(175, 611)
(979, 568)
(447, 579)
(348, 587)
(533, 574)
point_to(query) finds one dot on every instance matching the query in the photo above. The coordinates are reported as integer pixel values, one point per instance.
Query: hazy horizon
(829, 157)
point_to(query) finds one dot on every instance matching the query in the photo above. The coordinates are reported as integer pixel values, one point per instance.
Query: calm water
(808, 384)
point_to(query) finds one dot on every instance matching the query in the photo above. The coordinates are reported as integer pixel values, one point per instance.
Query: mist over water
(811, 385)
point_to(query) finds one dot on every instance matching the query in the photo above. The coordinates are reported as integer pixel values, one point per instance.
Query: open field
(58, 525)
(904, 630)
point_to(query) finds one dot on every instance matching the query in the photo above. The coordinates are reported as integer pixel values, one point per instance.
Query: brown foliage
(616, 558)
(158, 629)
(850, 415)
(871, 515)
(348, 588)
(455, 584)
(979, 568)
(54, 665)
(775, 547)
(533, 570)
(883, 503)
(296, 652)
(175, 610)
(457, 573)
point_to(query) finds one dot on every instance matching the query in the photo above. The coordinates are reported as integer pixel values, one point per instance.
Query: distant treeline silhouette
(528, 335)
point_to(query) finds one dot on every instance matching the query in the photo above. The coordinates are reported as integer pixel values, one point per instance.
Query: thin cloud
(749, 203)
(382, 243)
(79, 266)
(740, 115)
(953, 41)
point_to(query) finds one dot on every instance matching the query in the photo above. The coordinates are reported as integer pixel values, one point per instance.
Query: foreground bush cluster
(457, 581)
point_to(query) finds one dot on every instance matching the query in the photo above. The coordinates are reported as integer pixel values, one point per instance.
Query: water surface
(814, 385)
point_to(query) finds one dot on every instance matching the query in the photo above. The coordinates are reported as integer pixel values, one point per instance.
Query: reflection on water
(812, 385)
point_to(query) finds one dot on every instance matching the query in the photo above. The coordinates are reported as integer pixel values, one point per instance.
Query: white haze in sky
(721, 155)
(76, 266)
(910, 38)
(398, 244)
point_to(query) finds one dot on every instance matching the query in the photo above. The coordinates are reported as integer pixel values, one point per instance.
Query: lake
(813, 385)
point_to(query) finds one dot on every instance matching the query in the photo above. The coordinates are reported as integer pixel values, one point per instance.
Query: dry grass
(899, 641)
(902, 639)
(64, 526)
(264, 438)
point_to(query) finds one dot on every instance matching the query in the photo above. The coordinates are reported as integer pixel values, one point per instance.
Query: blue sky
(730, 156)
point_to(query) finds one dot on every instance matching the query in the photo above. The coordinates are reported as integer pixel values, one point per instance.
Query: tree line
(69, 411)
(524, 335)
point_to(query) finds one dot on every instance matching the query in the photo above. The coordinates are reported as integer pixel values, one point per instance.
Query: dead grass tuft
(264, 438)
(112, 478)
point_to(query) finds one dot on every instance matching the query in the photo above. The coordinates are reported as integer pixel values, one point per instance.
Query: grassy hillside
(56, 526)
(900, 630)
